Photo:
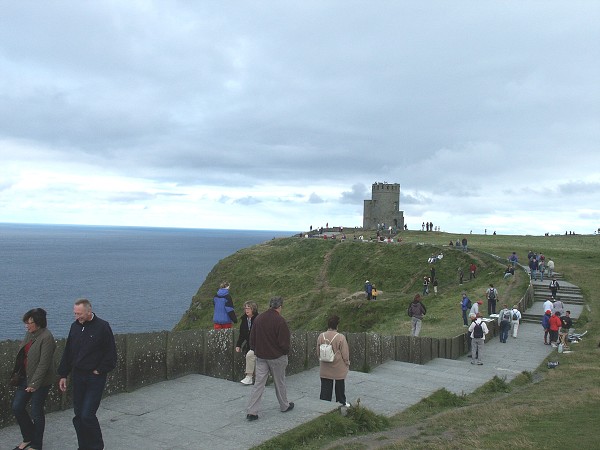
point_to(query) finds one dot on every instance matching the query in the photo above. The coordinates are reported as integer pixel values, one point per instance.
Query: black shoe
(251, 417)
(290, 407)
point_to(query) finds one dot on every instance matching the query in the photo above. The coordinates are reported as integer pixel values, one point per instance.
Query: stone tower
(384, 207)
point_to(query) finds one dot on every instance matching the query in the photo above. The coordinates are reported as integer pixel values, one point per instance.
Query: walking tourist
(33, 376)
(270, 341)
(90, 354)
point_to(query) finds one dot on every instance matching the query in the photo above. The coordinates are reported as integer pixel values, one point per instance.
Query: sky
(279, 115)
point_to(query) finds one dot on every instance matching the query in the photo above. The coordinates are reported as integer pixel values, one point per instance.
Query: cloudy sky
(280, 115)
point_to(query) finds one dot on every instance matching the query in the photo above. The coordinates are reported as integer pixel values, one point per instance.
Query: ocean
(139, 279)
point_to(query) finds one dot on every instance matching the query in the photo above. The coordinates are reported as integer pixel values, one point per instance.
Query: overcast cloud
(280, 115)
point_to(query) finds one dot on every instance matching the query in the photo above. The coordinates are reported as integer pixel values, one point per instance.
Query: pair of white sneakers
(247, 380)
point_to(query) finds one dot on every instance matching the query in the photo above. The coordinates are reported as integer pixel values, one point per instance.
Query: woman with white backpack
(334, 357)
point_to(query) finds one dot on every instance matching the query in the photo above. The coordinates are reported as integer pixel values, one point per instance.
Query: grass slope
(557, 408)
(318, 277)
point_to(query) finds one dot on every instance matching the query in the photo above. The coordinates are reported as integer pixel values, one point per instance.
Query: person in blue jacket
(224, 314)
(465, 305)
(546, 325)
(369, 290)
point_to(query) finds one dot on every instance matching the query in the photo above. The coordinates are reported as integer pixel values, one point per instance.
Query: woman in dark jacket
(33, 375)
(243, 342)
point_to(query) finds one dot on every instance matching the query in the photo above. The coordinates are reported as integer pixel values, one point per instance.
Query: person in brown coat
(337, 370)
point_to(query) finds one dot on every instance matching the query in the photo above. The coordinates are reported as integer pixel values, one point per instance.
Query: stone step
(575, 300)
(534, 318)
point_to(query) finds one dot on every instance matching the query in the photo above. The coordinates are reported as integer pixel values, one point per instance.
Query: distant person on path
(550, 266)
(472, 271)
(270, 341)
(504, 321)
(33, 376)
(461, 275)
(425, 285)
(533, 268)
(541, 269)
(368, 290)
(492, 297)
(374, 292)
(509, 271)
(472, 318)
(513, 259)
(554, 287)
(465, 305)
(243, 342)
(432, 272)
(566, 324)
(558, 306)
(475, 307)
(515, 321)
(435, 286)
(464, 245)
(554, 324)
(546, 325)
(416, 311)
(478, 330)
(224, 314)
(90, 354)
(548, 305)
(334, 372)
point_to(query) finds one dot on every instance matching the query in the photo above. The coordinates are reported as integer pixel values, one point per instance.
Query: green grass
(547, 408)
(320, 277)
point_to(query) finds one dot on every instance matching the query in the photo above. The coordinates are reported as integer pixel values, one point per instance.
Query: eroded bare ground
(376, 440)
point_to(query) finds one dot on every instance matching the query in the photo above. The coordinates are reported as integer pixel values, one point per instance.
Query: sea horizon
(138, 278)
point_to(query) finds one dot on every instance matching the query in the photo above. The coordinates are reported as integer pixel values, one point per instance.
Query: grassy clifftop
(318, 277)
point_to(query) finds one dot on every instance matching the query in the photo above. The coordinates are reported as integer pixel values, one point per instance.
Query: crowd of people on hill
(264, 338)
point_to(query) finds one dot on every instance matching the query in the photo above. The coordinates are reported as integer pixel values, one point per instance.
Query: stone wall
(147, 358)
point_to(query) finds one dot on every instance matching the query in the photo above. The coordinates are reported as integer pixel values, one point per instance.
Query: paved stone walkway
(200, 412)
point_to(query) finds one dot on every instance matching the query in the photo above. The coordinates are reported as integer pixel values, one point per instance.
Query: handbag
(17, 374)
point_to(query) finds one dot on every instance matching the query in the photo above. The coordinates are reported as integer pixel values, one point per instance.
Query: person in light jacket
(337, 370)
(34, 374)
(516, 320)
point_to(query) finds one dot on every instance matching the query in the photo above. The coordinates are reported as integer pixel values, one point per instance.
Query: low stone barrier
(147, 358)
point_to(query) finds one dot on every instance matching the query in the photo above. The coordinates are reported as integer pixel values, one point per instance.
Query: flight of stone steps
(568, 293)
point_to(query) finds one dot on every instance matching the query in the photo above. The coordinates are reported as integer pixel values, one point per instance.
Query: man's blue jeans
(32, 427)
(504, 328)
(87, 393)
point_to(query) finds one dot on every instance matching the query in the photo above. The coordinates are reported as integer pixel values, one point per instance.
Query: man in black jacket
(90, 353)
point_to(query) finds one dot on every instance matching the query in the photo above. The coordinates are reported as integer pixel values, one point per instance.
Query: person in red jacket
(554, 326)
(472, 271)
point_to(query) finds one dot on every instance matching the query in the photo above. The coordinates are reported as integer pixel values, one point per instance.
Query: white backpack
(326, 353)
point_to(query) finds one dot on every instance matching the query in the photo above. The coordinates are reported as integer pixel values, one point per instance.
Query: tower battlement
(384, 206)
